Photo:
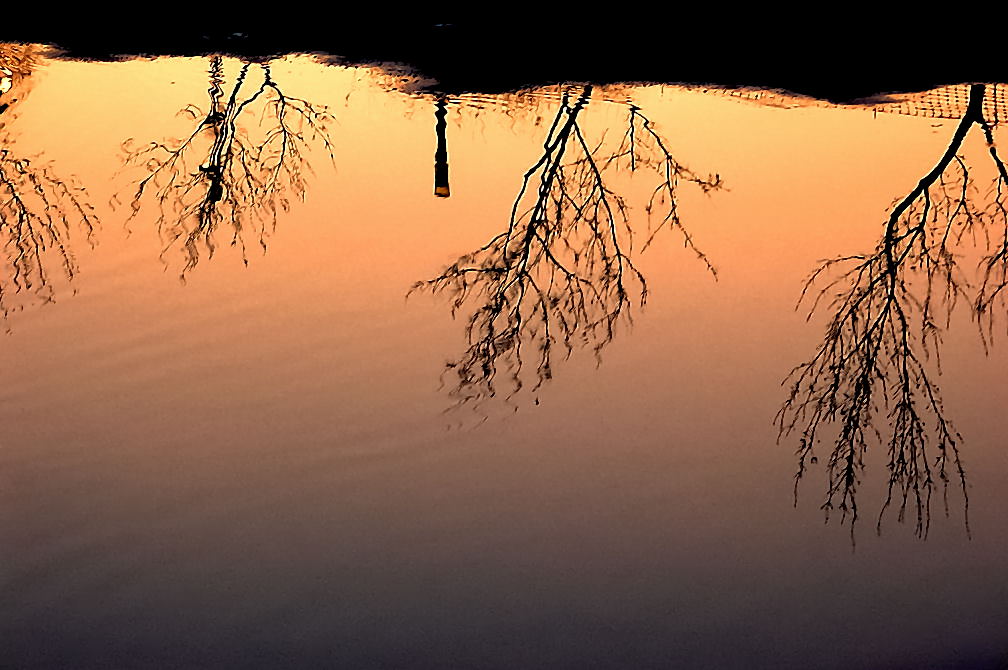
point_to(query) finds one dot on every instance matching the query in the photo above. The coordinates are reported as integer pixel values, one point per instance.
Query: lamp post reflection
(442, 188)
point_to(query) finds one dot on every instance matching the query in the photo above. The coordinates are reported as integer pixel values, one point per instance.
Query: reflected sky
(256, 467)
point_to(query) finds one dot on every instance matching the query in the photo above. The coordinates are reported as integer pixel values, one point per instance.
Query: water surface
(241, 426)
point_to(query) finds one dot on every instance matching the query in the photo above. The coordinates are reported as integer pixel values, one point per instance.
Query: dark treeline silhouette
(40, 209)
(561, 275)
(229, 172)
(837, 59)
(872, 379)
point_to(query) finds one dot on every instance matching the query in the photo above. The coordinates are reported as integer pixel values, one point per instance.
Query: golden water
(233, 434)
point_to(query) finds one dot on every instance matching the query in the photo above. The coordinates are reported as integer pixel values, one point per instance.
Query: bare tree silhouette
(227, 172)
(878, 361)
(39, 208)
(560, 275)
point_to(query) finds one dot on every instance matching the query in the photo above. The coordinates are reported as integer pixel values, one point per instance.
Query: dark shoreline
(837, 63)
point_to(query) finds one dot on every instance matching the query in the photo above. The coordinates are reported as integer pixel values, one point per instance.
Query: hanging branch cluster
(227, 173)
(39, 209)
(560, 275)
(992, 298)
(642, 148)
(876, 365)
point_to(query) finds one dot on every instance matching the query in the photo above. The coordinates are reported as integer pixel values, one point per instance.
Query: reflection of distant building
(16, 62)
(18, 59)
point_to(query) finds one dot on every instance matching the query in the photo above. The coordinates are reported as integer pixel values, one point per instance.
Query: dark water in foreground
(231, 439)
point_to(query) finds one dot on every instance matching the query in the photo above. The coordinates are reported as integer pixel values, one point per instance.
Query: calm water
(234, 436)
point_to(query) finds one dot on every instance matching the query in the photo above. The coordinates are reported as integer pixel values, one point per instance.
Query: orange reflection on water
(273, 435)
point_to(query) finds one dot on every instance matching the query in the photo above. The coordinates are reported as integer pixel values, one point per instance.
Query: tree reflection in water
(560, 275)
(877, 364)
(226, 172)
(39, 208)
